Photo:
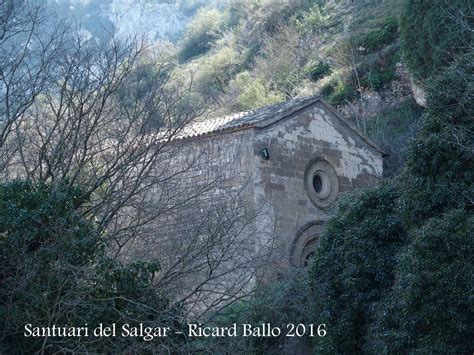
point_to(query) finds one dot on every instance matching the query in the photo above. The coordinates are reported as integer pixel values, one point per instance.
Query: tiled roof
(246, 119)
(261, 117)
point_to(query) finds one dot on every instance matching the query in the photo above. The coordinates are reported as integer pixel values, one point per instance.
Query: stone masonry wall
(265, 202)
(292, 144)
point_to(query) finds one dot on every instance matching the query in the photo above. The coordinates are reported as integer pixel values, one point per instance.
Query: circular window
(321, 182)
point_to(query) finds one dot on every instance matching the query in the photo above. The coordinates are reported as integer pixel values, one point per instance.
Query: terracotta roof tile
(244, 119)
(261, 117)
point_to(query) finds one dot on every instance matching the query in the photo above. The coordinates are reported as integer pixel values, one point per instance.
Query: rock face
(372, 103)
(419, 93)
(155, 20)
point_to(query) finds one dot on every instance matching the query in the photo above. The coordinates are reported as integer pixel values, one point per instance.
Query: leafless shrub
(105, 117)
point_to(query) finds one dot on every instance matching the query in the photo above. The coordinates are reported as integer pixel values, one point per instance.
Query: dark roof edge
(330, 108)
(272, 120)
(266, 122)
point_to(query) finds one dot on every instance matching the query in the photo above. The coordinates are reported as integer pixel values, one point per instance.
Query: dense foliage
(429, 309)
(202, 31)
(54, 271)
(435, 271)
(434, 32)
(283, 302)
(393, 128)
(394, 271)
(354, 267)
(379, 37)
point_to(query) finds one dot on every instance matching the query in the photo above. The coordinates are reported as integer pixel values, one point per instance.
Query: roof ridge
(262, 117)
(258, 109)
(249, 118)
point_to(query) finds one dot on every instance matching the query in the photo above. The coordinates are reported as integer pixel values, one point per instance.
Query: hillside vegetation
(255, 53)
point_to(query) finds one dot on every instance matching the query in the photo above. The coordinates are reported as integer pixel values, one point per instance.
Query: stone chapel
(296, 158)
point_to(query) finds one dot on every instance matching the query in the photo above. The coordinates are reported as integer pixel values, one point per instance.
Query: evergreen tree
(55, 271)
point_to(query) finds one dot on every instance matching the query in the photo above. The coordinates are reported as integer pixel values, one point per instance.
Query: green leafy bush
(434, 33)
(252, 93)
(318, 71)
(382, 72)
(214, 72)
(281, 303)
(440, 162)
(435, 278)
(378, 38)
(353, 268)
(55, 271)
(204, 29)
(393, 130)
(311, 20)
(381, 76)
(340, 92)
(328, 89)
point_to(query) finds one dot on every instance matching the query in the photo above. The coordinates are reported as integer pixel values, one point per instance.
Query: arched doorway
(305, 243)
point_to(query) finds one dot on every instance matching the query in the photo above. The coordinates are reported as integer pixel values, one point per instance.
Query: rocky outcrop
(419, 93)
(371, 103)
(153, 20)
